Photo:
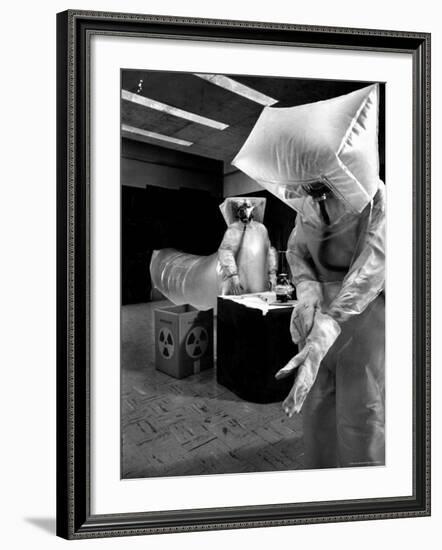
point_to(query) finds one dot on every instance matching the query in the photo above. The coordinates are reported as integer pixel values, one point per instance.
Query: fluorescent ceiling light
(158, 106)
(238, 88)
(154, 135)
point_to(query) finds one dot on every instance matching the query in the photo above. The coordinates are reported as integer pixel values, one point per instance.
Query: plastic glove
(235, 286)
(301, 321)
(309, 298)
(322, 336)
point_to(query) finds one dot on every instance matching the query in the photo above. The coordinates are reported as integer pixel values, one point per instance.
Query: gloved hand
(235, 285)
(323, 334)
(309, 298)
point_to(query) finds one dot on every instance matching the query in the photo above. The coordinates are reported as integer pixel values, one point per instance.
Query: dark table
(251, 348)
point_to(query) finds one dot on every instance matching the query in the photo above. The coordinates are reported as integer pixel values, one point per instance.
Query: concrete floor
(193, 426)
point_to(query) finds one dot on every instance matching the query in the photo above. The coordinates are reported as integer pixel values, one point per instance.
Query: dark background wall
(174, 204)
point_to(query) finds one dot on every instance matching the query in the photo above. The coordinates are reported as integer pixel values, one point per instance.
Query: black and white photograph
(222, 264)
(252, 274)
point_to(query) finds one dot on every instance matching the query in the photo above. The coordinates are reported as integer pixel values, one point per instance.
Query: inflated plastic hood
(335, 141)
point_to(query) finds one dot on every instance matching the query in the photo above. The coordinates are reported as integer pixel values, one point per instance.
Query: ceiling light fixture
(164, 108)
(238, 88)
(154, 135)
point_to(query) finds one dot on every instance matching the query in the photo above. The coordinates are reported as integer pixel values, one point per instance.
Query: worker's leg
(319, 421)
(360, 395)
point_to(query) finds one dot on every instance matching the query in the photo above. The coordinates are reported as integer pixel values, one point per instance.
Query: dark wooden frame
(74, 519)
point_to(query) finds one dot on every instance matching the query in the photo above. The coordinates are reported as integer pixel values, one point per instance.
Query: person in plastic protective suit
(245, 261)
(248, 262)
(322, 159)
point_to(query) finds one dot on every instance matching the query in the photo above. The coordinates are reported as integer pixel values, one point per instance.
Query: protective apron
(337, 261)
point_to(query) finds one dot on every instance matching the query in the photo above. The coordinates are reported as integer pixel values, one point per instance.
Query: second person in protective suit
(247, 260)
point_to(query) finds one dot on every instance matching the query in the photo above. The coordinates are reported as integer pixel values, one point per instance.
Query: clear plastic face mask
(292, 193)
(245, 212)
(341, 216)
(318, 190)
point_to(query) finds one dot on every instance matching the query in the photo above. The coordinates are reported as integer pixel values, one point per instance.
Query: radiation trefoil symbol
(196, 342)
(166, 343)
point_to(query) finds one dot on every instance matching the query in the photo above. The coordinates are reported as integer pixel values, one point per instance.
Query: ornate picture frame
(75, 520)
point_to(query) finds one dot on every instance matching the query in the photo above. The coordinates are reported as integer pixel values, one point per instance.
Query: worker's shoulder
(258, 227)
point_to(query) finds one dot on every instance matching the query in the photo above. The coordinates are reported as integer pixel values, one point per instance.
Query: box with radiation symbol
(183, 340)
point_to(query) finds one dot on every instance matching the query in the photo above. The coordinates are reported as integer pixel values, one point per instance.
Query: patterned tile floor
(193, 426)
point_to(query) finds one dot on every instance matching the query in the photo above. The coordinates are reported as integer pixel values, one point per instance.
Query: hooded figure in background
(245, 261)
(322, 160)
(248, 262)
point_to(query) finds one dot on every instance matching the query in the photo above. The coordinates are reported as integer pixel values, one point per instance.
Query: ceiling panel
(293, 91)
(163, 123)
(191, 93)
(196, 95)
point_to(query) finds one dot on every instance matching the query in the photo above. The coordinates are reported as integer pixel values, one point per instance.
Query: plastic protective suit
(245, 261)
(248, 262)
(322, 159)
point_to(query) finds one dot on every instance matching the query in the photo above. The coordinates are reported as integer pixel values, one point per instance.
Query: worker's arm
(314, 331)
(366, 277)
(308, 288)
(272, 262)
(228, 249)
(301, 265)
(226, 254)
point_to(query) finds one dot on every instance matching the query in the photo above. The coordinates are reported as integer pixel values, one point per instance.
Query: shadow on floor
(45, 524)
